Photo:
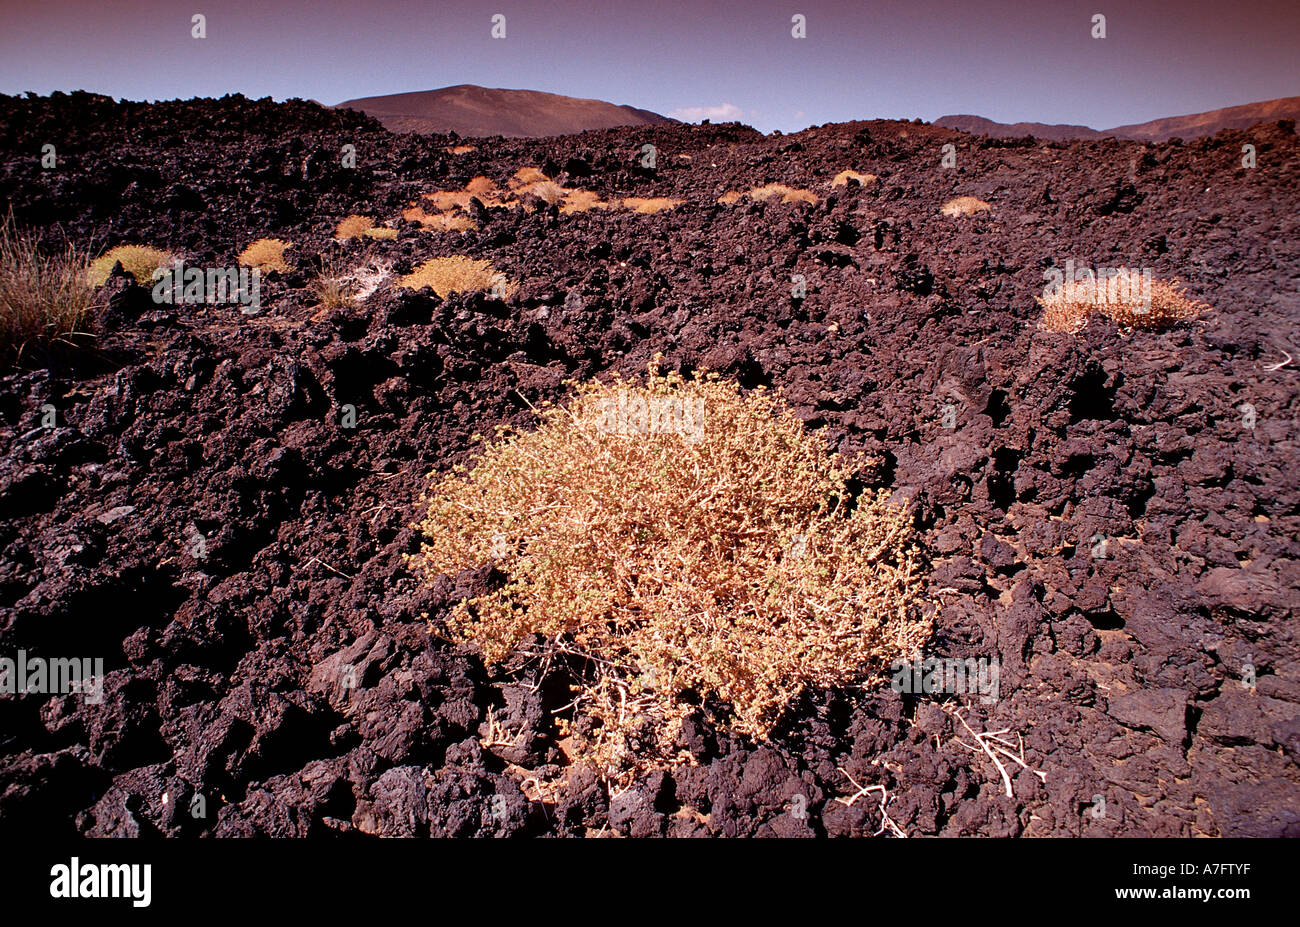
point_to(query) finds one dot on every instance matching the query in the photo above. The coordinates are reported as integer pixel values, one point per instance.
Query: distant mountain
(978, 125)
(1201, 124)
(1196, 125)
(481, 111)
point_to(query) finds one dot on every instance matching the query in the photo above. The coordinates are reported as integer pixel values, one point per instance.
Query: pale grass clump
(1121, 299)
(459, 149)
(724, 560)
(140, 261)
(730, 198)
(266, 254)
(964, 206)
(650, 205)
(380, 231)
(478, 186)
(42, 295)
(457, 274)
(843, 177)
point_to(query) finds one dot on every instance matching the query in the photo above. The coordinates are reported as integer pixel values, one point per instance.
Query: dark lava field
(1112, 515)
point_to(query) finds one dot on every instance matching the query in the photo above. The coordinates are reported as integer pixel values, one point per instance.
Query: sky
(1008, 60)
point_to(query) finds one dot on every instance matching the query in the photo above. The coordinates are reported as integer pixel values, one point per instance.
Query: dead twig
(1280, 365)
(328, 567)
(886, 822)
(994, 744)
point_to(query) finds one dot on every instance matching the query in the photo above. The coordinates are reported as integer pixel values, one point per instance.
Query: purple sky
(1009, 61)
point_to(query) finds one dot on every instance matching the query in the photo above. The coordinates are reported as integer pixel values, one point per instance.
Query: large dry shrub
(689, 542)
(1126, 297)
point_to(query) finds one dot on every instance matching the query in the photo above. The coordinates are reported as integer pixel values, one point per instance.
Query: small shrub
(684, 542)
(42, 295)
(266, 254)
(843, 177)
(964, 206)
(456, 274)
(1122, 299)
(140, 261)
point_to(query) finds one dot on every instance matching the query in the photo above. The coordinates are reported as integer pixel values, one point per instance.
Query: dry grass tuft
(266, 254)
(380, 232)
(480, 186)
(964, 206)
(580, 200)
(650, 205)
(460, 149)
(457, 274)
(353, 227)
(1127, 297)
(338, 287)
(447, 199)
(527, 175)
(333, 290)
(548, 191)
(439, 222)
(42, 296)
(676, 542)
(843, 177)
(787, 194)
(140, 261)
(766, 192)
